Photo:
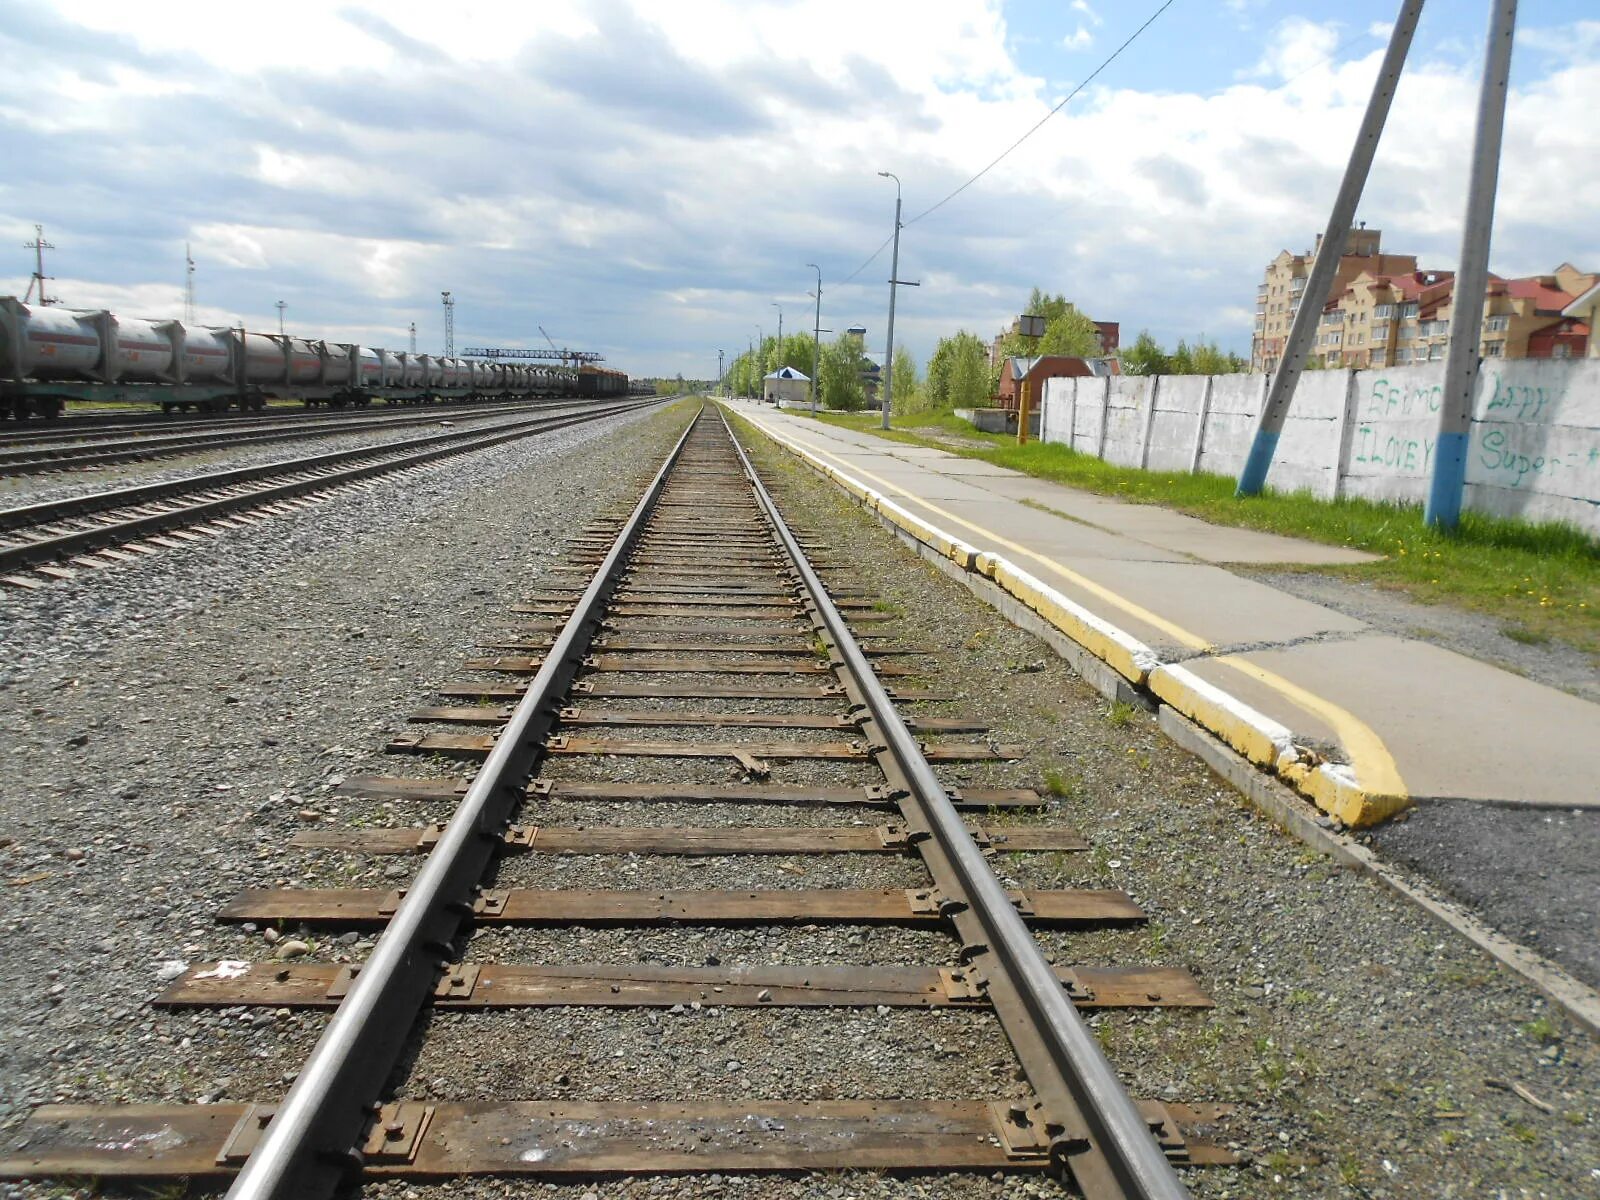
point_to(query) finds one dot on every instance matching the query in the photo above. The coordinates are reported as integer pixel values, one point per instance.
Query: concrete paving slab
(1411, 718)
(1147, 522)
(1458, 729)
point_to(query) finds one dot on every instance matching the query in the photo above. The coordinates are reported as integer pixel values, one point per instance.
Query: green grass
(1542, 580)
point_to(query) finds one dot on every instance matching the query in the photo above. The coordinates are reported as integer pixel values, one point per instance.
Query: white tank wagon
(49, 355)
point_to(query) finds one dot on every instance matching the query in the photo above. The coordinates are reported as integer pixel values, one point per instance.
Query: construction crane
(554, 347)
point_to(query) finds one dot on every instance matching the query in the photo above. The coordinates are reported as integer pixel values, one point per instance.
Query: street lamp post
(282, 304)
(894, 284)
(816, 339)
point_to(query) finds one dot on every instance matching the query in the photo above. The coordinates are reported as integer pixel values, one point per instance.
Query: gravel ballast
(194, 711)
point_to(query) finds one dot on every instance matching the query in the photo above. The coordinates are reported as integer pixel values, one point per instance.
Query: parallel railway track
(700, 614)
(69, 453)
(55, 539)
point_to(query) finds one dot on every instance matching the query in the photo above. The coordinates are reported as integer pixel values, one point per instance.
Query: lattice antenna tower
(449, 325)
(188, 285)
(38, 246)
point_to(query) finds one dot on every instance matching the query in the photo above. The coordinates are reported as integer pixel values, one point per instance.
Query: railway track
(114, 424)
(55, 539)
(690, 640)
(100, 451)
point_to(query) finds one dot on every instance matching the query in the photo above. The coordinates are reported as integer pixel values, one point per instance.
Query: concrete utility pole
(779, 307)
(413, 337)
(449, 324)
(816, 339)
(38, 246)
(1303, 329)
(1462, 359)
(749, 357)
(720, 390)
(894, 286)
(282, 304)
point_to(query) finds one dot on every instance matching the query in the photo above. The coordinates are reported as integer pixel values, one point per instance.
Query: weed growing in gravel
(1350, 1170)
(1119, 714)
(1541, 1028)
(1528, 637)
(1058, 786)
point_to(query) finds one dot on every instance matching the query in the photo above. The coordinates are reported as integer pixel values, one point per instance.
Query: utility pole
(816, 339)
(413, 337)
(188, 285)
(749, 357)
(779, 307)
(721, 391)
(38, 246)
(1462, 359)
(449, 325)
(1303, 328)
(281, 306)
(895, 284)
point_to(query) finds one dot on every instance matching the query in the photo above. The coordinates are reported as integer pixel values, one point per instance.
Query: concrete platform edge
(1285, 807)
(1331, 786)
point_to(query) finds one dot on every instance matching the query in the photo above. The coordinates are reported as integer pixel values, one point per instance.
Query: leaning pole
(1443, 510)
(1303, 329)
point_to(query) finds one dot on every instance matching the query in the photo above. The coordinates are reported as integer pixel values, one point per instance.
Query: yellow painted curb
(1253, 734)
(1260, 739)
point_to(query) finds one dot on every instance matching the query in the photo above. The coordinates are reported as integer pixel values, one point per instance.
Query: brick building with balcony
(1384, 312)
(1278, 297)
(1398, 320)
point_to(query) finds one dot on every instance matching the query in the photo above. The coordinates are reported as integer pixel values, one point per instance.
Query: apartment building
(1278, 297)
(1384, 320)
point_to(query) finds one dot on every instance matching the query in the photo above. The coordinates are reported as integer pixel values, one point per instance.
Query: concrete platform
(1362, 723)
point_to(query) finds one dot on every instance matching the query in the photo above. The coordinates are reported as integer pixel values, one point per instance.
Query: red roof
(1545, 297)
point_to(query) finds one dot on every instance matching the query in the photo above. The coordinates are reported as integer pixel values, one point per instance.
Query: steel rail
(25, 460)
(1095, 1129)
(307, 1149)
(371, 461)
(101, 424)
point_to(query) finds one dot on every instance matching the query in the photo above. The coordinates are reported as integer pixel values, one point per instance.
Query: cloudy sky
(647, 178)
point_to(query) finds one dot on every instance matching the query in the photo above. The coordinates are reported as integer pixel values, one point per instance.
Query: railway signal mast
(449, 325)
(38, 246)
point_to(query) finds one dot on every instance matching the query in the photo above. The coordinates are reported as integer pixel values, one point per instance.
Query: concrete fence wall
(1535, 441)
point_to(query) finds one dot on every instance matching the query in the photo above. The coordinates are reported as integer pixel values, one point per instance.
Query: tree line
(959, 374)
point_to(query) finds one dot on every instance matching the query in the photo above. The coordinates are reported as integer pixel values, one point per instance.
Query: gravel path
(177, 721)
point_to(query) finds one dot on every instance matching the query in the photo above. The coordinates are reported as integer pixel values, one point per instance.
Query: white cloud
(1081, 39)
(661, 218)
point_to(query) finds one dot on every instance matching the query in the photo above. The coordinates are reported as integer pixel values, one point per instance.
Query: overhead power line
(1001, 157)
(866, 264)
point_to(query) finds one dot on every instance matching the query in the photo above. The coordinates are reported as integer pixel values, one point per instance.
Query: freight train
(49, 355)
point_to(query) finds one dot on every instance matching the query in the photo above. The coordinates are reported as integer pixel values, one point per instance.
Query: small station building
(785, 386)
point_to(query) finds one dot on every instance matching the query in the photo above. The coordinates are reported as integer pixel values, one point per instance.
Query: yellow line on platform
(1376, 768)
